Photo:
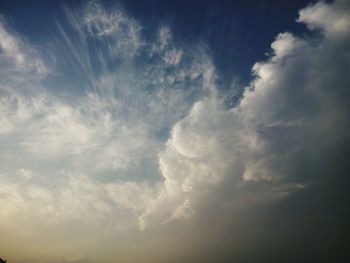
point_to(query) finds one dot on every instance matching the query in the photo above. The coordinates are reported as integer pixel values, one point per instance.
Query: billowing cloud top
(146, 146)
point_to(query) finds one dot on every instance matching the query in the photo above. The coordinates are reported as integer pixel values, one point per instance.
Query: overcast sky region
(174, 131)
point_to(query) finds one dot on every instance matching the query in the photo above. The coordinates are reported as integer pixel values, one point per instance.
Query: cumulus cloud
(293, 109)
(331, 19)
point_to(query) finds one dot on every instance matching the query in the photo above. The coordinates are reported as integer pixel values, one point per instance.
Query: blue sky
(218, 24)
(167, 131)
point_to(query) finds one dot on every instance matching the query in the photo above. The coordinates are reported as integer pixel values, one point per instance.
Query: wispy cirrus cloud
(111, 135)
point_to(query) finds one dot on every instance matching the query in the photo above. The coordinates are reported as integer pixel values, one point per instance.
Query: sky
(174, 131)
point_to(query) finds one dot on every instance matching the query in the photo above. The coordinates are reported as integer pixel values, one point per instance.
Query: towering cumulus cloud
(295, 109)
(148, 154)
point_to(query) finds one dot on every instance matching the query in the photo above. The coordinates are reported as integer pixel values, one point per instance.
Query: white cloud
(10, 47)
(294, 106)
(5, 125)
(123, 32)
(173, 57)
(94, 157)
(25, 174)
(16, 55)
(333, 19)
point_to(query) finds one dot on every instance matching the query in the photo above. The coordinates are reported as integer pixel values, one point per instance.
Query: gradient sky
(174, 131)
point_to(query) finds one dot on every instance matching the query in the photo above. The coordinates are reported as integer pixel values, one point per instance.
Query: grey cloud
(281, 143)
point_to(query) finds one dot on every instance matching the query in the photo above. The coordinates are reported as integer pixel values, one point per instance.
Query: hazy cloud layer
(149, 148)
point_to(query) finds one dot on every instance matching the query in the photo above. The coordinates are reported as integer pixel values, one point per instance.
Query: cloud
(16, 55)
(332, 19)
(147, 140)
(123, 34)
(93, 157)
(292, 110)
